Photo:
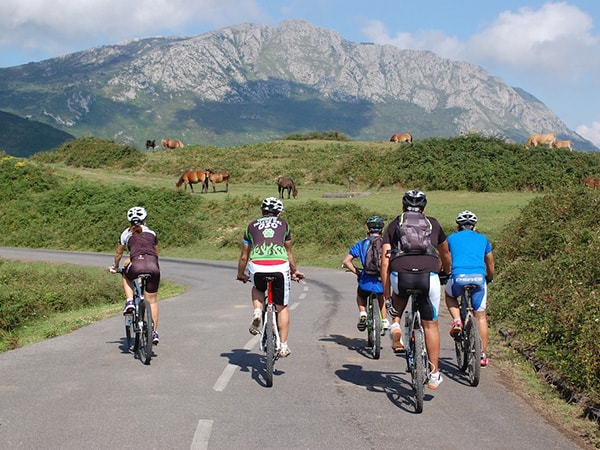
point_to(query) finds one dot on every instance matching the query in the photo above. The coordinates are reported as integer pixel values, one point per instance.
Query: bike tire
(129, 333)
(145, 333)
(370, 337)
(419, 370)
(474, 353)
(270, 350)
(376, 328)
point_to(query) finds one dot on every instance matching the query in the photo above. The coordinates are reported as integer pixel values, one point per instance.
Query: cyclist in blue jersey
(267, 250)
(367, 283)
(472, 263)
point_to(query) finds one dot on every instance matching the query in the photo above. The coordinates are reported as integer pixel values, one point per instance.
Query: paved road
(204, 388)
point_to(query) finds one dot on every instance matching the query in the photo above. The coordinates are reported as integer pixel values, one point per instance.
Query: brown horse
(171, 143)
(592, 182)
(405, 137)
(283, 184)
(150, 144)
(218, 177)
(191, 177)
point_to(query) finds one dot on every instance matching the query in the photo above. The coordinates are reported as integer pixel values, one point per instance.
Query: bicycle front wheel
(419, 369)
(376, 327)
(270, 349)
(145, 333)
(474, 352)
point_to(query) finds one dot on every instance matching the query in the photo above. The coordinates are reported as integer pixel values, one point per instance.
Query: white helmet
(466, 218)
(272, 205)
(136, 215)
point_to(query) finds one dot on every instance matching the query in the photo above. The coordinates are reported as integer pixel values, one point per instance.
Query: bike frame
(269, 309)
(140, 322)
(468, 344)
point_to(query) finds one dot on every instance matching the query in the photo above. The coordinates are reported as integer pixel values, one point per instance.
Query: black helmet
(466, 218)
(375, 223)
(414, 200)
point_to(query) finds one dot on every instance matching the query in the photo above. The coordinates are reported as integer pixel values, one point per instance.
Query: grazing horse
(171, 143)
(405, 137)
(190, 177)
(562, 144)
(592, 182)
(541, 139)
(284, 183)
(217, 177)
(150, 144)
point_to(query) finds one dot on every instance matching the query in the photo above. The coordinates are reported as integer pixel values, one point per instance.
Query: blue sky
(549, 48)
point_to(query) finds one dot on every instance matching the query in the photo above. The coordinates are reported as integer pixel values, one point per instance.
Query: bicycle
(468, 343)
(417, 360)
(139, 326)
(374, 327)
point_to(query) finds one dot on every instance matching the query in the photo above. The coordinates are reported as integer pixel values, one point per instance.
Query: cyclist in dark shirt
(400, 272)
(142, 244)
(267, 250)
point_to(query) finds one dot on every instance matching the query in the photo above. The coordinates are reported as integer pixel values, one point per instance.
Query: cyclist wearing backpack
(472, 263)
(368, 250)
(414, 249)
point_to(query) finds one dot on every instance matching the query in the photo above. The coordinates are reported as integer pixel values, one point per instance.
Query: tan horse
(218, 177)
(191, 177)
(283, 184)
(541, 139)
(405, 137)
(171, 143)
(563, 144)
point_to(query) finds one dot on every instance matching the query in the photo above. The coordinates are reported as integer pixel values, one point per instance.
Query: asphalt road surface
(204, 388)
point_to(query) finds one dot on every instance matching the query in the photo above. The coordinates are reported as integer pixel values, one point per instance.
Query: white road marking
(202, 435)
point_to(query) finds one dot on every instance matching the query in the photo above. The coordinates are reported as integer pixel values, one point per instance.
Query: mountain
(23, 137)
(251, 83)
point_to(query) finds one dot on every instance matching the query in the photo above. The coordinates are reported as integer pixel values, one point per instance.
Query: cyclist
(267, 250)
(400, 272)
(472, 263)
(142, 244)
(367, 283)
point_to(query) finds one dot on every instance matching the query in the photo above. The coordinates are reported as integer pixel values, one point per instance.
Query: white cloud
(557, 37)
(62, 26)
(592, 133)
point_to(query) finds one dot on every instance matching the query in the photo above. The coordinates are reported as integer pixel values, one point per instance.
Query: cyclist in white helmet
(472, 263)
(267, 250)
(142, 244)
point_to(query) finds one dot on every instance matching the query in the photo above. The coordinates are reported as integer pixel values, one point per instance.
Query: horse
(218, 177)
(592, 182)
(405, 137)
(562, 144)
(190, 177)
(150, 144)
(284, 183)
(541, 139)
(171, 143)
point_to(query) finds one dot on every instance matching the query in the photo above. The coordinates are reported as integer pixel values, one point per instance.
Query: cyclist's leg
(361, 302)
(399, 303)
(479, 301)
(453, 290)
(281, 296)
(149, 264)
(429, 316)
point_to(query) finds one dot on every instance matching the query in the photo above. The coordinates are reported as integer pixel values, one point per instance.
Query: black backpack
(372, 264)
(414, 230)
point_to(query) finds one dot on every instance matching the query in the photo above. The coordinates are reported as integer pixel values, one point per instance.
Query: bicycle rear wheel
(145, 332)
(129, 333)
(419, 369)
(375, 327)
(270, 349)
(459, 346)
(473, 352)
